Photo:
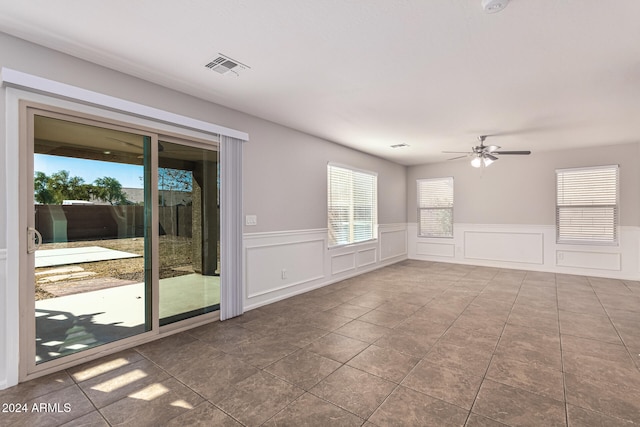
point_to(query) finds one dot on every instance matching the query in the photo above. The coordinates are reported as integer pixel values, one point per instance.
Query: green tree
(60, 186)
(78, 190)
(109, 190)
(42, 193)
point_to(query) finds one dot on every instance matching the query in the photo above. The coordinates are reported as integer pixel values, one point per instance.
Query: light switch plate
(251, 220)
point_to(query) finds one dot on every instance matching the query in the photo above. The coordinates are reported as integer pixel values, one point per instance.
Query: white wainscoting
(282, 264)
(529, 247)
(591, 260)
(368, 257)
(447, 250)
(500, 246)
(393, 241)
(341, 263)
(3, 320)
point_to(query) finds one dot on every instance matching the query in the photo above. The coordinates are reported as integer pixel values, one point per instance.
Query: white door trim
(18, 79)
(21, 86)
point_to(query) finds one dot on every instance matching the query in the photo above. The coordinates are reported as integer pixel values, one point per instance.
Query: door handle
(34, 240)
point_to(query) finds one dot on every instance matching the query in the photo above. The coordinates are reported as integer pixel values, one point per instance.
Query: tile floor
(413, 344)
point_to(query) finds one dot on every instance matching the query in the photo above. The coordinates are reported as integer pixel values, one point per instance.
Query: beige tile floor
(416, 343)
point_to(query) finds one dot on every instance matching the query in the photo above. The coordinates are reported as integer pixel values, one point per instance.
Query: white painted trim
(388, 229)
(18, 79)
(311, 278)
(500, 227)
(287, 286)
(12, 271)
(276, 298)
(591, 260)
(270, 245)
(284, 233)
(627, 252)
(15, 84)
(3, 315)
(365, 264)
(447, 250)
(363, 257)
(511, 252)
(349, 256)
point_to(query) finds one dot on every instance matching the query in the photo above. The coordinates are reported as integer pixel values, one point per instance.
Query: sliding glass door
(122, 234)
(90, 235)
(189, 242)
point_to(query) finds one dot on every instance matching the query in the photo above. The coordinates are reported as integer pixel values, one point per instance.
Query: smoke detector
(224, 65)
(493, 6)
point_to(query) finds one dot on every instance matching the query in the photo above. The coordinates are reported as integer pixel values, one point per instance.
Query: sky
(128, 175)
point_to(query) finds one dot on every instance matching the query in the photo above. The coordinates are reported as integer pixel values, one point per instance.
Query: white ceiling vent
(224, 65)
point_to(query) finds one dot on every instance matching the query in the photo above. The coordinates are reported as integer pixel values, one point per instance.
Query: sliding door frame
(27, 368)
(28, 364)
(20, 86)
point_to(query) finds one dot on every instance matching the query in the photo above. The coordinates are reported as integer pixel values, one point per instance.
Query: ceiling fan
(484, 155)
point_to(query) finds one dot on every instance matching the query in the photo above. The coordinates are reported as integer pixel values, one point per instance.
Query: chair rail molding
(529, 247)
(281, 264)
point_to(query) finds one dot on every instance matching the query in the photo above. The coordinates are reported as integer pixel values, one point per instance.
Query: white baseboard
(530, 247)
(3, 320)
(279, 265)
(309, 263)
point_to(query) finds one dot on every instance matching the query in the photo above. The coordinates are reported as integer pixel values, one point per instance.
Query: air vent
(223, 65)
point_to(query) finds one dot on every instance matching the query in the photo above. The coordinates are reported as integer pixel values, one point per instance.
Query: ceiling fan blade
(491, 148)
(459, 157)
(512, 152)
(490, 156)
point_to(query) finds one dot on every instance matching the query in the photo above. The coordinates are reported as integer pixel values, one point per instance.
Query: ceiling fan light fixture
(484, 155)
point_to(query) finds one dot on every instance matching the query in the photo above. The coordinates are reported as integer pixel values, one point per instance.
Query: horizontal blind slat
(435, 207)
(352, 205)
(586, 206)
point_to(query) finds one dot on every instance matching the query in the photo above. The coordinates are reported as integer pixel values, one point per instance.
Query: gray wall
(287, 179)
(521, 189)
(284, 170)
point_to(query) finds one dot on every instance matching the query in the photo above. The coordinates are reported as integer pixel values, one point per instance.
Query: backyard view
(66, 280)
(93, 274)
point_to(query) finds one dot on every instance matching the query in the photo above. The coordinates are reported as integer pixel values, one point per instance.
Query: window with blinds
(352, 205)
(587, 205)
(435, 207)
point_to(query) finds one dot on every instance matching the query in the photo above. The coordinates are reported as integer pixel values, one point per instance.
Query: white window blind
(587, 205)
(435, 207)
(352, 205)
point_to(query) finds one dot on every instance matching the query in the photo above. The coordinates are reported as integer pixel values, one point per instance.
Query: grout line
(452, 282)
(77, 384)
(594, 339)
(564, 380)
(484, 376)
(624, 344)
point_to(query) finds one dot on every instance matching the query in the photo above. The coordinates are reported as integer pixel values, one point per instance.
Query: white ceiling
(434, 74)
